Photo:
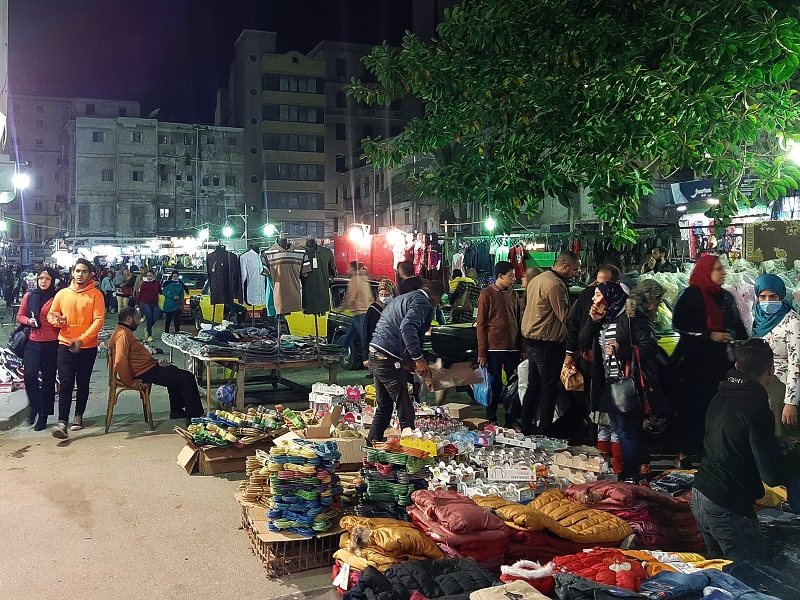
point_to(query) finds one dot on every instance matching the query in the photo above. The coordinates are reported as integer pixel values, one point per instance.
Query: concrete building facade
(36, 124)
(133, 177)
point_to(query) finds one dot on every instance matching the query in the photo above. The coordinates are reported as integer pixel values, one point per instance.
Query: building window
(122, 111)
(163, 213)
(230, 179)
(294, 142)
(38, 182)
(107, 215)
(37, 233)
(369, 131)
(39, 142)
(137, 216)
(190, 177)
(57, 176)
(406, 216)
(83, 215)
(232, 140)
(163, 139)
(136, 137)
(38, 206)
(292, 114)
(341, 131)
(98, 136)
(215, 181)
(205, 180)
(108, 174)
(137, 176)
(90, 110)
(39, 123)
(341, 67)
(163, 177)
(209, 139)
(292, 83)
(187, 214)
(178, 177)
(188, 139)
(295, 172)
(298, 200)
(341, 100)
(40, 108)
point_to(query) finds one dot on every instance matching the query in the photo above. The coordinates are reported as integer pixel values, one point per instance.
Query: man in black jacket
(741, 451)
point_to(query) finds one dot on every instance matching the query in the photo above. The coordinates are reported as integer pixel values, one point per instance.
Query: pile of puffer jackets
(660, 522)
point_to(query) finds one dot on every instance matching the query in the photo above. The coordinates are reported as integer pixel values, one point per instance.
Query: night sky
(172, 54)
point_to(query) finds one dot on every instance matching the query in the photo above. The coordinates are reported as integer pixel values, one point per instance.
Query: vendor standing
(396, 345)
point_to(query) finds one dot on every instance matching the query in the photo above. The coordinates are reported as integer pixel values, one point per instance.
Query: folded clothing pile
(660, 521)
(460, 526)
(304, 489)
(382, 543)
(658, 561)
(554, 512)
(450, 579)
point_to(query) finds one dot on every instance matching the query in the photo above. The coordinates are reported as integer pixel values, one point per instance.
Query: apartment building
(134, 177)
(300, 129)
(41, 212)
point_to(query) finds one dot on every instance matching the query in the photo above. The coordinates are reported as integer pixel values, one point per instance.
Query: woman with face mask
(386, 291)
(147, 300)
(779, 325)
(174, 294)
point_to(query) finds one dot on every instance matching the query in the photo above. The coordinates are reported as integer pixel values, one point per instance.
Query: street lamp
(269, 230)
(490, 223)
(227, 231)
(203, 235)
(21, 181)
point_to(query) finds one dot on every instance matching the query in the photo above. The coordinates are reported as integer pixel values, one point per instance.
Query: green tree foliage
(526, 98)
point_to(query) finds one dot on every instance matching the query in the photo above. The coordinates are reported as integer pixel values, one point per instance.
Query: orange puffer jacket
(555, 513)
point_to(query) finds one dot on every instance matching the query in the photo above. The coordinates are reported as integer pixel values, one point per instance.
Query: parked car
(194, 282)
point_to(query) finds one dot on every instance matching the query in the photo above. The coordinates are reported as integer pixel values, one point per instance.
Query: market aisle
(114, 516)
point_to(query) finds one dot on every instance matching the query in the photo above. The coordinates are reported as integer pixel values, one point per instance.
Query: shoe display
(59, 431)
(77, 423)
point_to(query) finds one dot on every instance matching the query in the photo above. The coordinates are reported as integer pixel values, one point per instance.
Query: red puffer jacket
(603, 565)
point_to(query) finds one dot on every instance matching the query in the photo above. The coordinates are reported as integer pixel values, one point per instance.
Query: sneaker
(149, 338)
(59, 431)
(41, 423)
(77, 423)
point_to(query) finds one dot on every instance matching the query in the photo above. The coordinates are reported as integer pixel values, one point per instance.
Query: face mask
(149, 278)
(174, 279)
(384, 299)
(771, 307)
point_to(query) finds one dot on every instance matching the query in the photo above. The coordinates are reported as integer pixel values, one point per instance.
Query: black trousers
(41, 359)
(391, 389)
(169, 317)
(544, 367)
(181, 387)
(74, 370)
(496, 363)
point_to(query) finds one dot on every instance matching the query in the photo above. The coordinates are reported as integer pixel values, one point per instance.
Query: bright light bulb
(681, 208)
(713, 201)
(793, 154)
(269, 229)
(227, 231)
(203, 235)
(21, 180)
(490, 224)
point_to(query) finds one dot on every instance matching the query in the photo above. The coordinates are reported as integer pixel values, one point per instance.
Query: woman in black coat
(613, 333)
(707, 318)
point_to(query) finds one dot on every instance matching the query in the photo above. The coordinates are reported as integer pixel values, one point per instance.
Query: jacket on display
(286, 265)
(224, 276)
(254, 281)
(316, 283)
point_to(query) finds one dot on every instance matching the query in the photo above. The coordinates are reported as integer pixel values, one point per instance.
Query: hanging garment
(420, 259)
(516, 257)
(501, 253)
(458, 261)
(285, 266)
(223, 276)
(316, 283)
(254, 282)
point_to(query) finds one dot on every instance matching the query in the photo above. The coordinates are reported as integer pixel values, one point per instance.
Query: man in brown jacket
(544, 331)
(498, 334)
(133, 361)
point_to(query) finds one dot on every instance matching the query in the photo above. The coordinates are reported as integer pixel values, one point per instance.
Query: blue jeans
(149, 313)
(727, 534)
(354, 333)
(628, 430)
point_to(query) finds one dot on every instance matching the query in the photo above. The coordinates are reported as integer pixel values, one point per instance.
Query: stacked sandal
(390, 474)
(304, 489)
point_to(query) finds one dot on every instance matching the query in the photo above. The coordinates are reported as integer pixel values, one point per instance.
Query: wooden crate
(283, 553)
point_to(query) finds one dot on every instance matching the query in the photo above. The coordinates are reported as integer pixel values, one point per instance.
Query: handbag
(572, 380)
(623, 390)
(19, 339)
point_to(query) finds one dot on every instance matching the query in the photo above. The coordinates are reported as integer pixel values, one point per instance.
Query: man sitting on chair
(133, 361)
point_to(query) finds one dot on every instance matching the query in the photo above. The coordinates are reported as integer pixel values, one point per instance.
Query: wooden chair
(116, 387)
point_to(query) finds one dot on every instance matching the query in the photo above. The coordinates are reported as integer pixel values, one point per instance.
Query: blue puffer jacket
(402, 325)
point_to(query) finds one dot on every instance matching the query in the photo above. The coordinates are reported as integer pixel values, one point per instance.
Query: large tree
(528, 98)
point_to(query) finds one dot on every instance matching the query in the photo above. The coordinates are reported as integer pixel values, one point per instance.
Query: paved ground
(103, 515)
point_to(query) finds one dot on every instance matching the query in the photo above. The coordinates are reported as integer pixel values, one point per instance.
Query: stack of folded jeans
(304, 488)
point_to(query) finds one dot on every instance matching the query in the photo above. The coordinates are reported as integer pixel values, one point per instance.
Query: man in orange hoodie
(79, 311)
(133, 361)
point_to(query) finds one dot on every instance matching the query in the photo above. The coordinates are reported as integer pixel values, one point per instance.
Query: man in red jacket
(498, 334)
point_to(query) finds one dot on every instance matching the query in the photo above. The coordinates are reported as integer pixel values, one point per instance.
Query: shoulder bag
(623, 390)
(19, 339)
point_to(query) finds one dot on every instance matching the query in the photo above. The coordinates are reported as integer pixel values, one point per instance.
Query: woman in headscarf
(707, 318)
(41, 351)
(386, 291)
(779, 325)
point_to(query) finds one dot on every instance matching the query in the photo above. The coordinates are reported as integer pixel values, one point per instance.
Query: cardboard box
(477, 423)
(323, 430)
(212, 460)
(349, 448)
(510, 473)
(458, 411)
